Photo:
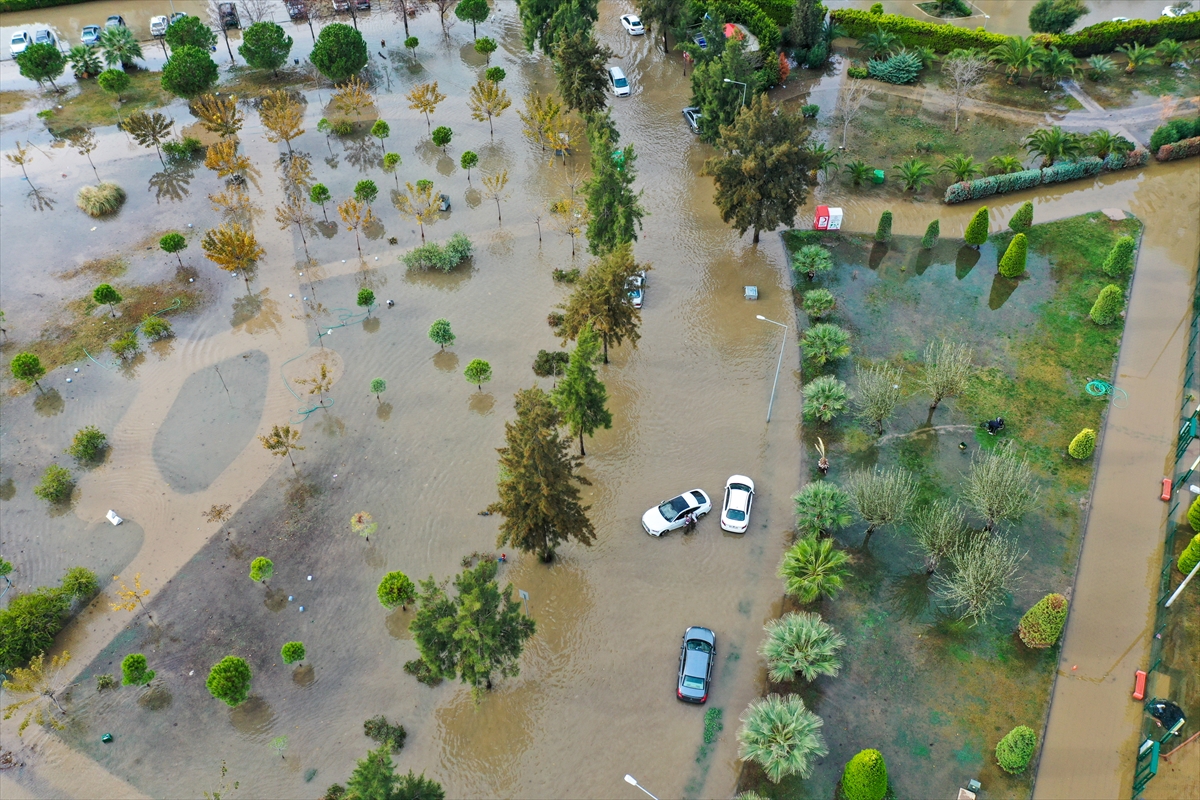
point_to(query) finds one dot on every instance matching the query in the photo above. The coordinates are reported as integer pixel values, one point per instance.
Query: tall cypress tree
(614, 210)
(539, 498)
(580, 395)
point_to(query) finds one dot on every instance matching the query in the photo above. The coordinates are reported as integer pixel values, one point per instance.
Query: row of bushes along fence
(1055, 173)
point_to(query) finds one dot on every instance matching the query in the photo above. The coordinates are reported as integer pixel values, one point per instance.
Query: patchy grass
(246, 82)
(11, 101)
(1151, 81)
(91, 106)
(106, 267)
(1029, 94)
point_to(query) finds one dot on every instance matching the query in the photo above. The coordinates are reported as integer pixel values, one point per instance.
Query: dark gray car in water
(696, 657)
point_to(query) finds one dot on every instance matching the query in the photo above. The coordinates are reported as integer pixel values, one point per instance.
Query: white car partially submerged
(158, 26)
(633, 24)
(739, 497)
(673, 514)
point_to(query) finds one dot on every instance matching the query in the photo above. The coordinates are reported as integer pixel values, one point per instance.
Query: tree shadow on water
(877, 254)
(383, 411)
(910, 595)
(49, 403)
(1002, 289)
(965, 261)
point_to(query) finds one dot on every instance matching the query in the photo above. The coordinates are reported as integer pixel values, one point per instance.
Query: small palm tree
(926, 54)
(1054, 144)
(781, 736)
(961, 168)
(825, 342)
(801, 644)
(1136, 55)
(825, 398)
(1054, 65)
(879, 42)
(915, 174)
(120, 46)
(1016, 53)
(823, 157)
(1171, 53)
(859, 172)
(1003, 165)
(1100, 68)
(1103, 142)
(811, 259)
(813, 568)
(822, 507)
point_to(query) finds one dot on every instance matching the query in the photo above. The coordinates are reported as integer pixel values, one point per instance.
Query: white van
(618, 81)
(158, 26)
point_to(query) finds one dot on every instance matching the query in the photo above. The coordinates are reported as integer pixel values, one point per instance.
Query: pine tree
(1120, 258)
(601, 299)
(930, 239)
(580, 396)
(1108, 305)
(977, 228)
(883, 233)
(1012, 263)
(614, 211)
(539, 498)
(1022, 221)
(579, 66)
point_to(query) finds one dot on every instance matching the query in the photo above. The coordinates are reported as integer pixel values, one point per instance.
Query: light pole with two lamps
(744, 87)
(632, 781)
(777, 366)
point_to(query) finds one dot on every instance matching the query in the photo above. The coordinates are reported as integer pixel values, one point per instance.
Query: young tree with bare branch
(882, 496)
(877, 390)
(850, 103)
(1000, 486)
(487, 100)
(493, 189)
(418, 202)
(294, 212)
(984, 570)
(84, 142)
(966, 70)
(281, 441)
(938, 530)
(232, 248)
(219, 115)
(948, 367)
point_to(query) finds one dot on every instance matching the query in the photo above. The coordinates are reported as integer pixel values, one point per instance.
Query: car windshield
(693, 683)
(697, 644)
(671, 508)
(739, 487)
(735, 515)
(620, 83)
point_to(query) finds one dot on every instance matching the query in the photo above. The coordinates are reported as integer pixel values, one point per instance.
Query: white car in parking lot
(632, 24)
(672, 514)
(19, 41)
(739, 497)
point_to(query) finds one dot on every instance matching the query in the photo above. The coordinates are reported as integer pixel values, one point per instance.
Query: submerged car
(632, 24)
(735, 511)
(618, 82)
(115, 21)
(227, 12)
(696, 657)
(692, 115)
(90, 35)
(158, 26)
(672, 514)
(19, 41)
(636, 287)
(297, 9)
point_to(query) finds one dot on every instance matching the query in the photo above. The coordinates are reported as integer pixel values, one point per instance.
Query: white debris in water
(310, 577)
(68, 380)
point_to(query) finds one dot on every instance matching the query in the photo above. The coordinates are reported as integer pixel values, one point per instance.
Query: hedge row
(1029, 178)
(25, 5)
(1183, 149)
(754, 18)
(1101, 38)
(780, 11)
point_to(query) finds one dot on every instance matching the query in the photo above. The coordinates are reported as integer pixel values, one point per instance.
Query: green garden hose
(1103, 389)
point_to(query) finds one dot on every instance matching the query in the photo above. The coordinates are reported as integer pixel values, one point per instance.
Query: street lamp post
(632, 781)
(777, 366)
(743, 85)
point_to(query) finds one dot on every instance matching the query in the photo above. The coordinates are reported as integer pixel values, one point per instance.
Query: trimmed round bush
(865, 776)
(229, 680)
(1194, 515)
(292, 652)
(1012, 263)
(930, 239)
(134, 671)
(56, 484)
(1108, 305)
(1023, 219)
(1120, 259)
(88, 444)
(1083, 444)
(977, 228)
(100, 200)
(396, 589)
(1014, 751)
(1043, 623)
(1190, 556)
(883, 233)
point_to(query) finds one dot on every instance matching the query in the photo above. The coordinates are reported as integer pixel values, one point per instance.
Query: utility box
(827, 219)
(877, 176)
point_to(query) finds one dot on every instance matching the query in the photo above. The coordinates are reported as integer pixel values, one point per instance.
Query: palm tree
(811, 259)
(824, 398)
(1002, 165)
(859, 171)
(822, 157)
(825, 342)
(926, 54)
(822, 507)
(879, 42)
(1170, 52)
(813, 568)
(1136, 55)
(1053, 145)
(801, 644)
(961, 168)
(915, 174)
(119, 46)
(1103, 142)
(1015, 53)
(1100, 67)
(1054, 65)
(781, 736)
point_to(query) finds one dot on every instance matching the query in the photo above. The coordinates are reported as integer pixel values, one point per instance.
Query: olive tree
(1000, 486)
(882, 496)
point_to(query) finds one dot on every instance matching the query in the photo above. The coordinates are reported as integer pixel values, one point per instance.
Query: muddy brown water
(594, 699)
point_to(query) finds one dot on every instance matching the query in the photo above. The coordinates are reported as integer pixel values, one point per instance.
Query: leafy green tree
(1119, 260)
(27, 367)
(190, 72)
(365, 191)
(478, 372)
(1055, 16)
(390, 162)
(340, 52)
(119, 46)
(320, 194)
(825, 342)
(468, 161)
(41, 62)
(813, 568)
(1012, 263)
(396, 589)
(930, 239)
(378, 387)
(882, 496)
(134, 671)
(601, 298)
(472, 11)
(580, 64)
(614, 210)
(190, 31)
(1016, 749)
(292, 652)
(801, 645)
(865, 776)
(763, 143)
(494, 74)
(825, 398)
(1108, 305)
(544, 22)
(379, 729)
(229, 680)
(381, 130)
(174, 243)
(937, 531)
(261, 569)
(113, 81)
(88, 444)
(812, 259)
(104, 294)
(822, 508)
(366, 299)
(580, 396)
(781, 736)
(476, 634)
(412, 43)
(1043, 623)
(539, 498)
(485, 46)
(977, 228)
(883, 231)
(661, 14)
(877, 392)
(1000, 486)
(265, 45)
(440, 333)
(441, 136)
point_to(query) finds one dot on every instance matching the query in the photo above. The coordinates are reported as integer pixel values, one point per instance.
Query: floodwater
(594, 698)
(1011, 17)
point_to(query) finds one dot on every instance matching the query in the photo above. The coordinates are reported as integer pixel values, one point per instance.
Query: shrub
(29, 624)
(825, 398)
(904, 67)
(1193, 515)
(1014, 751)
(1185, 148)
(547, 363)
(1083, 444)
(1190, 555)
(380, 730)
(1120, 259)
(915, 33)
(865, 776)
(291, 652)
(818, 303)
(1108, 305)
(565, 275)
(930, 239)
(101, 200)
(261, 569)
(80, 584)
(555, 319)
(435, 256)
(342, 127)
(876, 9)
(810, 110)
(88, 444)
(883, 231)
(182, 149)
(127, 345)
(1105, 37)
(977, 228)
(861, 73)
(1043, 623)
(1055, 16)
(229, 680)
(105, 681)
(1012, 263)
(1023, 219)
(134, 671)
(56, 484)
(156, 328)
(1072, 170)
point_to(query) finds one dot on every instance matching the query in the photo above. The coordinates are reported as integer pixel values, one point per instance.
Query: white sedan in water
(739, 496)
(672, 514)
(632, 24)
